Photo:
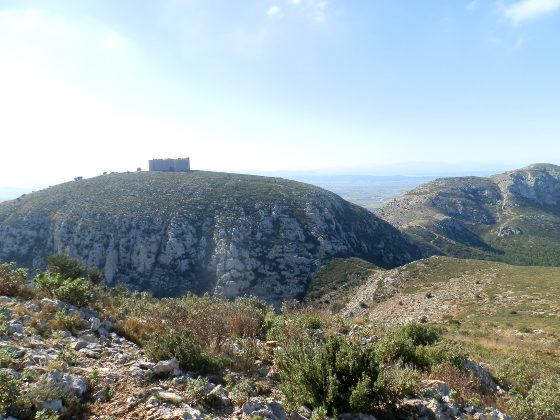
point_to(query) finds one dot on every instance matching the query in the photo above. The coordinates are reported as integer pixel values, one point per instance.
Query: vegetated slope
(169, 233)
(335, 282)
(512, 217)
(472, 292)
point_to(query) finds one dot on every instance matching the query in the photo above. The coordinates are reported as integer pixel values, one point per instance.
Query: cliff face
(169, 233)
(512, 217)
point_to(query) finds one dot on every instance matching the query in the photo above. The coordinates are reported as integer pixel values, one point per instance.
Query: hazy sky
(251, 85)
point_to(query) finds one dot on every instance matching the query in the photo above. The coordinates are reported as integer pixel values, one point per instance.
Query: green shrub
(196, 388)
(337, 375)
(239, 392)
(419, 345)
(418, 334)
(519, 373)
(400, 382)
(3, 323)
(77, 292)
(46, 415)
(442, 352)
(392, 349)
(62, 320)
(45, 390)
(177, 343)
(7, 355)
(65, 266)
(319, 413)
(9, 393)
(13, 281)
(541, 403)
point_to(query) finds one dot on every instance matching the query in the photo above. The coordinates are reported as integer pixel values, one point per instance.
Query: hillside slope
(440, 288)
(512, 217)
(170, 233)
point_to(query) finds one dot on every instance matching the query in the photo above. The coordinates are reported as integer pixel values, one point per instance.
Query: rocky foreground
(84, 369)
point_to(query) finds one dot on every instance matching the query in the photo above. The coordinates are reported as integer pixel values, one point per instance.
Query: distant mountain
(170, 233)
(512, 217)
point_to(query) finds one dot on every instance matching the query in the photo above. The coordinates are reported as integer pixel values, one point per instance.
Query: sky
(324, 86)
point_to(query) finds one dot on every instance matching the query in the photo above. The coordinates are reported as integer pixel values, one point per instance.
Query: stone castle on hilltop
(171, 165)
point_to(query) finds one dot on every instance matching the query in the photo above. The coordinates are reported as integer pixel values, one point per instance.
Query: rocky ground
(100, 375)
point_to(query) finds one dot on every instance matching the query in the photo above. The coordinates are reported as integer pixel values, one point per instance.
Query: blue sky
(265, 85)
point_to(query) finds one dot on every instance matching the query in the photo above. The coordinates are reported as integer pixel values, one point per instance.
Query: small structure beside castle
(171, 165)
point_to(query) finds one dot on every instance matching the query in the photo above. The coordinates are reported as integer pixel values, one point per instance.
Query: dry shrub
(137, 330)
(210, 327)
(245, 326)
(464, 383)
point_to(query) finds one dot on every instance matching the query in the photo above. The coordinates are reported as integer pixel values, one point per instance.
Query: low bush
(13, 281)
(541, 403)
(71, 268)
(239, 392)
(419, 345)
(3, 323)
(337, 375)
(7, 355)
(9, 393)
(45, 390)
(77, 292)
(519, 373)
(63, 320)
(178, 343)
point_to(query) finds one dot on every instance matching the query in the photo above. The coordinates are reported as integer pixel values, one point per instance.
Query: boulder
(166, 367)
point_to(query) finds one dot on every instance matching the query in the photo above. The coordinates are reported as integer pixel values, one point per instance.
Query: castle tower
(170, 165)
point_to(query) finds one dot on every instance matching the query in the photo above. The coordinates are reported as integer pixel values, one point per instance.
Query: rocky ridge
(512, 217)
(171, 233)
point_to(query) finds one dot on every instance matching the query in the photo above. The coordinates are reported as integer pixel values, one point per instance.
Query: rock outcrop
(171, 233)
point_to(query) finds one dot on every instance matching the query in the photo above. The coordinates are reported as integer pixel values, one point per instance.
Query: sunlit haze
(277, 85)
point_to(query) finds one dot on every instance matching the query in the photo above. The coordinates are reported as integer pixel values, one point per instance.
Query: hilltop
(512, 217)
(171, 233)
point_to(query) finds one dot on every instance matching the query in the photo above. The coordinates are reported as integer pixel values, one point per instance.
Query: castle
(171, 165)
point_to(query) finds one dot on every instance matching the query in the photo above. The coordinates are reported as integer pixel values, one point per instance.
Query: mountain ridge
(512, 217)
(171, 233)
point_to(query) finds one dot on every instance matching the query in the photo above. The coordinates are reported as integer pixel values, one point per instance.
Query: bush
(76, 292)
(420, 346)
(168, 344)
(418, 334)
(400, 382)
(519, 373)
(445, 351)
(64, 321)
(337, 375)
(392, 349)
(240, 392)
(9, 393)
(542, 401)
(45, 390)
(7, 355)
(13, 281)
(65, 266)
(3, 323)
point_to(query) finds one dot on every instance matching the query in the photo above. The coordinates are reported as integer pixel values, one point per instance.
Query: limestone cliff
(170, 233)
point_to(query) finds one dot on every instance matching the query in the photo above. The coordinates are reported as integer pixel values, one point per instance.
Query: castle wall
(170, 165)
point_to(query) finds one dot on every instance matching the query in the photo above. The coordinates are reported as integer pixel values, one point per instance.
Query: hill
(512, 217)
(170, 233)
